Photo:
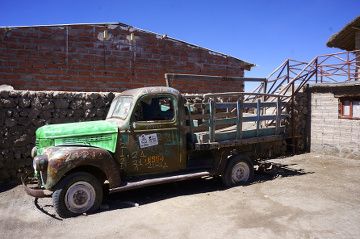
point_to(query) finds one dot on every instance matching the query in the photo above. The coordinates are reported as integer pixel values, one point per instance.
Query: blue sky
(261, 32)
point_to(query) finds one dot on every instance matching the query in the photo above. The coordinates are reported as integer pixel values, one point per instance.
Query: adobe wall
(108, 58)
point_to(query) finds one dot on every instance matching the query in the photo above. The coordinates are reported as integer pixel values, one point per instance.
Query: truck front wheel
(77, 193)
(239, 171)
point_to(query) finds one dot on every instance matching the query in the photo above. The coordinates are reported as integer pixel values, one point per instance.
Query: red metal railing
(292, 75)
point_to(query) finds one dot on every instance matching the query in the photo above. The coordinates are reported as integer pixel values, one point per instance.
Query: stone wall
(22, 112)
(302, 121)
(329, 133)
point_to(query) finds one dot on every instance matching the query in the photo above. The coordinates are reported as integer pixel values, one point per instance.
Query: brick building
(107, 57)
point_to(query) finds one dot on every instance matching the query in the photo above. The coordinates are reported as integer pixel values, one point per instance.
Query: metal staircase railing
(291, 76)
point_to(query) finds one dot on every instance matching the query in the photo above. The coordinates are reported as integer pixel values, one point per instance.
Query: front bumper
(34, 191)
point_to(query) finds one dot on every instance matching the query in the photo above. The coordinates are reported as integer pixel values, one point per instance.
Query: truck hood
(76, 129)
(102, 134)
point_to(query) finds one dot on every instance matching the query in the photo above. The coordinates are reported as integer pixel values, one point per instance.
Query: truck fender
(62, 159)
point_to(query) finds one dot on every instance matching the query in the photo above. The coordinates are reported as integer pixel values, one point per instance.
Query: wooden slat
(225, 121)
(231, 143)
(261, 118)
(258, 117)
(278, 115)
(225, 105)
(239, 118)
(218, 115)
(262, 104)
(211, 121)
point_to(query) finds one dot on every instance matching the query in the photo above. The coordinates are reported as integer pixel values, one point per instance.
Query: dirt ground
(311, 196)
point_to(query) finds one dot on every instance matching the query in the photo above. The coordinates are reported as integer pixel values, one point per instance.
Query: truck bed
(214, 122)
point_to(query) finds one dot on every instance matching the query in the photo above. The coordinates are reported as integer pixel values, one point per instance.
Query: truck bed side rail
(227, 116)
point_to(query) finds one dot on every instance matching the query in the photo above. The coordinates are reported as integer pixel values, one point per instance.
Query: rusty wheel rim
(240, 173)
(80, 197)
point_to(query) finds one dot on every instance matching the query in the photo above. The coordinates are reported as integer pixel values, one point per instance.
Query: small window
(349, 108)
(120, 107)
(154, 109)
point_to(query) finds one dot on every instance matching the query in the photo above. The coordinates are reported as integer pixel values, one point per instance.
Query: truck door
(155, 140)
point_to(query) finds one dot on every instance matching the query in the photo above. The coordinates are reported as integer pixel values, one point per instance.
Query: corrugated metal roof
(345, 39)
(247, 65)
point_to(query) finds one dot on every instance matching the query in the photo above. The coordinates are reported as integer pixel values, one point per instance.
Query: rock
(2, 117)
(23, 121)
(13, 94)
(100, 103)
(22, 141)
(89, 113)
(7, 103)
(93, 96)
(4, 94)
(88, 105)
(76, 104)
(61, 103)
(34, 114)
(38, 122)
(17, 155)
(24, 102)
(9, 122)
(46, 114)
(24, 112)
(100, 112)
(47, 105)
(36, 104)
(111, 96)
(70, 113)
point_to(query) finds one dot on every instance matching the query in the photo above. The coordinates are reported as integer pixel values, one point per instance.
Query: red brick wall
(77, 58)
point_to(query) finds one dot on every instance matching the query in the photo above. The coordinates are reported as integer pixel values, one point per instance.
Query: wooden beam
(174, 76)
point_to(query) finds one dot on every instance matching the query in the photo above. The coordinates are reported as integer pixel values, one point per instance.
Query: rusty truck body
(151, 135)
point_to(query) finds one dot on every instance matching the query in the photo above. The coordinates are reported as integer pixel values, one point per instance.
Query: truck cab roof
(137, 92)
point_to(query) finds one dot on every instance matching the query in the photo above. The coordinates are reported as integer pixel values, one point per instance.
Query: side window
(349, 108)
(154, 109)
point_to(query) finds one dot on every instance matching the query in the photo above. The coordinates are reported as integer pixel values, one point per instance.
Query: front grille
(87, 140)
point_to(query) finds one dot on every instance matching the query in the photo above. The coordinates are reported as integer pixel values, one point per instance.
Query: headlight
(40, 162)
(34, 152)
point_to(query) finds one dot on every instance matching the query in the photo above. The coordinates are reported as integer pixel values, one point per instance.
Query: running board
(156, 181)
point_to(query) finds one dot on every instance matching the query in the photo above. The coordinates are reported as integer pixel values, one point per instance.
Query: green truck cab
(148, 137)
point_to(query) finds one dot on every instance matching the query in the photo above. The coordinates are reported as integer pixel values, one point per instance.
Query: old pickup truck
(150, 136)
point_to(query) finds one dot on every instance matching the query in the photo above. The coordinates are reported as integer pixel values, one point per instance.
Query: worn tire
(239, 171)
(76, 194)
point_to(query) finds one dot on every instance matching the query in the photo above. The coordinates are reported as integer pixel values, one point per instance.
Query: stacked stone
(300, 114)
(22, 112)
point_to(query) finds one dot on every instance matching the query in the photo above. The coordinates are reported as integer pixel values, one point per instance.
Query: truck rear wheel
(77, 193)
(239, 171)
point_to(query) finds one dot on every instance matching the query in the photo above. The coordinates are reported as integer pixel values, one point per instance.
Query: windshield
(120, 107)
